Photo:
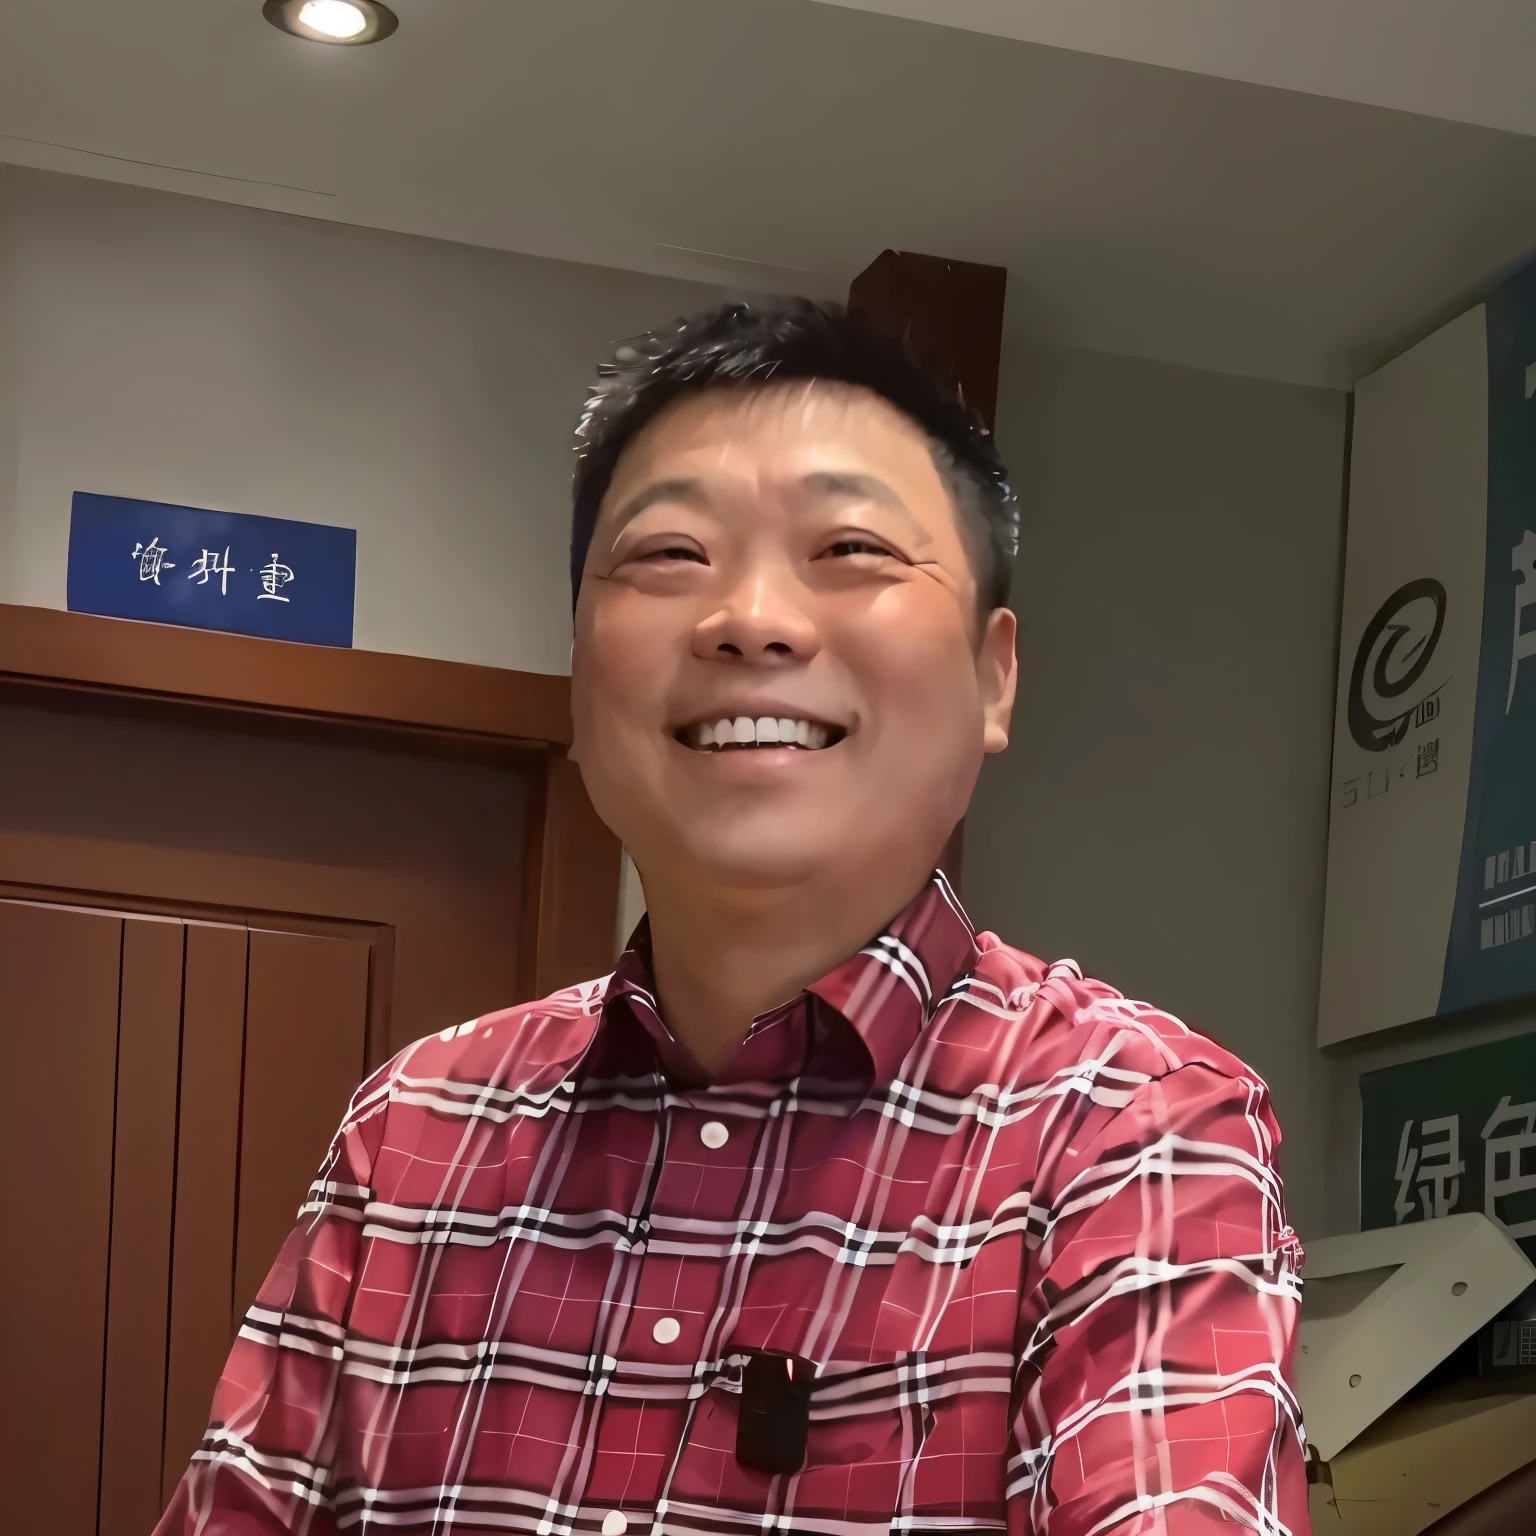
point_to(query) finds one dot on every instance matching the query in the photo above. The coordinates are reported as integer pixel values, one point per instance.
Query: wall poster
(1452, 1133)
(1431, 899)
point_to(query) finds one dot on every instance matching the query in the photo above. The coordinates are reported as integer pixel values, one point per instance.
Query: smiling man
(824, 1212)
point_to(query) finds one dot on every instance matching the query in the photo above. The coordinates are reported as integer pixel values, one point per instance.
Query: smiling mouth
(743, 732)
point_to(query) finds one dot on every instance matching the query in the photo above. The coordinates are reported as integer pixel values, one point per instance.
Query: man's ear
(997, 672)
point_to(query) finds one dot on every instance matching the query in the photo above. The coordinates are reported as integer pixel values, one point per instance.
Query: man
(823, 1212)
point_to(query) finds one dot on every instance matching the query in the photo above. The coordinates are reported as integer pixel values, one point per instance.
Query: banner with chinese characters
(233, 571)
(1454, 1133)
(1431, 900)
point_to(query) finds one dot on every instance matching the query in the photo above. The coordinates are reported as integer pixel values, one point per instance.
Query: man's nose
(763, 618)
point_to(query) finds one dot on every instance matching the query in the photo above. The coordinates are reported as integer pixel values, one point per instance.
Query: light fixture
(332, 21)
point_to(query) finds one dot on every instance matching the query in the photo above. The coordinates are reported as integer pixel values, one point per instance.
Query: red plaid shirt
(1029, 1233)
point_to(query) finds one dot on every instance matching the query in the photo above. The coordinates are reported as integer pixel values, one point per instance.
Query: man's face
(779, 666)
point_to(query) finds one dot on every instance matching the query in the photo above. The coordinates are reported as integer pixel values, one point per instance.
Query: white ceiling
(1143, 209)
(1469, 61)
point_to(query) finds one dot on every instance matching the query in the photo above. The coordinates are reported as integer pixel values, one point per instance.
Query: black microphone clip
(775, 1413)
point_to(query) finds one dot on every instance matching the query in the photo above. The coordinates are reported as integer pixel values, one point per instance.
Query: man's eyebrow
(865, 488)
(680, 489)
(692, 492)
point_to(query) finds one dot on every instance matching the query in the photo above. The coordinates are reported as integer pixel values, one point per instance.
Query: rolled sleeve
(1154, 1387)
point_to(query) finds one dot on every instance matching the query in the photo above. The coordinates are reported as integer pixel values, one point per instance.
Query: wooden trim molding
(571, 895)
(572, 859)
(79, 650)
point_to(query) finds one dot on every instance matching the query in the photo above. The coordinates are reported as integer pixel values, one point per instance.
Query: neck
(722, 955)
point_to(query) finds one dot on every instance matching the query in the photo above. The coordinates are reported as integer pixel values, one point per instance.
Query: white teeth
(743, 731)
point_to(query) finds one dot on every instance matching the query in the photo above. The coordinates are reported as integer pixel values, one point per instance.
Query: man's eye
(676, 552)
(857, 547)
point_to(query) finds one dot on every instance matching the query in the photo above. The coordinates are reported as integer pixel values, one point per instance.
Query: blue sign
(1485, 959)
(248, 575)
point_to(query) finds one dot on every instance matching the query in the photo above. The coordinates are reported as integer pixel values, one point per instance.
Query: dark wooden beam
(951, 314)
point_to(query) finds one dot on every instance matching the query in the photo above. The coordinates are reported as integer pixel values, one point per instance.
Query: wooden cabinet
(273, 1032)
(62, 975)
(171, 1088)
(234, 876)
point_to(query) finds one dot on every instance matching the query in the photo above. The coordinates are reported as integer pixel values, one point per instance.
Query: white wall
(1161, 815)
(423, 393)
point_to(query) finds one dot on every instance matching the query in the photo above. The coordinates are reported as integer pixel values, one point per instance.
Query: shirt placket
(664, 1339)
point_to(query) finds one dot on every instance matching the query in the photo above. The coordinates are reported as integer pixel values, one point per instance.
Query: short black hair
(740, 345)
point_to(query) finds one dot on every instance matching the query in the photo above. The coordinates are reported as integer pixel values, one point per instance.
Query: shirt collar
(887, 992)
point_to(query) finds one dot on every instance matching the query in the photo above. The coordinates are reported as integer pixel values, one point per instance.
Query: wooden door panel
(58, 1028)
(207, 1150)
(306, 1027)
(275, 816)
(143, 1195)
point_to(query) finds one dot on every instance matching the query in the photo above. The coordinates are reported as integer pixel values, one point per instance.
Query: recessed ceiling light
(332, 21)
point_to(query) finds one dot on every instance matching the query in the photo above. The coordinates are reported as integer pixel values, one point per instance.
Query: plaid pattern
(1030, 1234)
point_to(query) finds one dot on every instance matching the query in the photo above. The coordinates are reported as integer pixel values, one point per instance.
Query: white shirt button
(614, 1523)
(666, 1330)
(713, 1134)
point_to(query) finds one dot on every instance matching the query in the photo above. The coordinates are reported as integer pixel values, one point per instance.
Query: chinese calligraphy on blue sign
(211, 570)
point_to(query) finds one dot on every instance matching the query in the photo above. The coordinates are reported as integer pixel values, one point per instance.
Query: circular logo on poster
(1390, 663)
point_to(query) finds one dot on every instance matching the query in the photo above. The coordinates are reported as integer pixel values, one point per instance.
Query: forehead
(792, 428)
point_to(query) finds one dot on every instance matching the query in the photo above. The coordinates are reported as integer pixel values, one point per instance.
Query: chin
(758, 857)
